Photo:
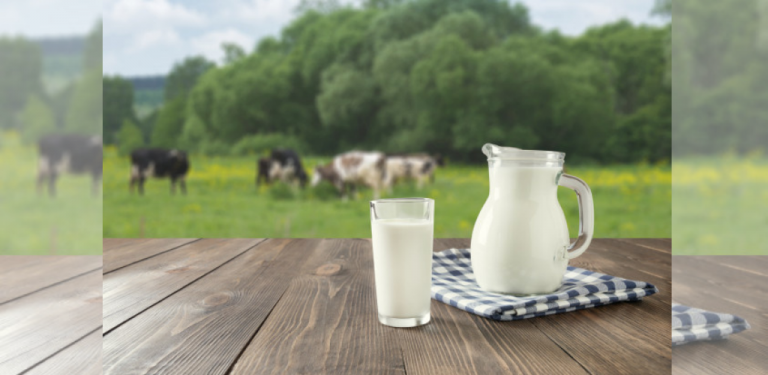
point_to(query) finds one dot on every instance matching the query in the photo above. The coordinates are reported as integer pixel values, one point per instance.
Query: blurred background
(232, 80)
(50, 90)
(720, 127)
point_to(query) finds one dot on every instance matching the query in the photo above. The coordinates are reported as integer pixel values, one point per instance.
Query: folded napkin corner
(454, 283)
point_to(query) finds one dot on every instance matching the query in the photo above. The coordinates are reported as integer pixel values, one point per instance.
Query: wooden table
(283, 306)
(50, 315)
(730, 284)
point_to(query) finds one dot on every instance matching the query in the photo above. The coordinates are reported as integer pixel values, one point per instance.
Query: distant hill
(62, 60)
(147, 93)
(71, 45)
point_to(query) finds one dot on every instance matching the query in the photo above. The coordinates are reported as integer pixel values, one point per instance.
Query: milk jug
(520, 243)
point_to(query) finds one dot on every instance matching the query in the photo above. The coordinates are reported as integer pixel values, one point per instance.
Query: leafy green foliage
(37, 120)
(86, 113)
(20, 76)
(168, 125)
(129, 138)
(184, 76)
(441, 76)
(118, 106)
(720, 75)
(263, 143)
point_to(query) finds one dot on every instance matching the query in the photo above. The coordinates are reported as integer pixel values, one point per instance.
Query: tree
(86, 112)
(36, 119)
(169, 125)
(118, 106)
(20, 72)
(232, 52)
(92, 55)
(129, 138)
(184, 76)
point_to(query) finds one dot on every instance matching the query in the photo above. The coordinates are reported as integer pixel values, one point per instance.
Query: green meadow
(719, 206)
(223, 201)
(40, 225)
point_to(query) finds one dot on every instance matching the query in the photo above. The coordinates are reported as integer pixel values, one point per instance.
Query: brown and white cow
(353, 168)
(416, 167)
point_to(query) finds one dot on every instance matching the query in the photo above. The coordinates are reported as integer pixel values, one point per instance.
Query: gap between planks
(59, 351)
(185, 285)
(153, 255)
(250, 340)
(50, 286)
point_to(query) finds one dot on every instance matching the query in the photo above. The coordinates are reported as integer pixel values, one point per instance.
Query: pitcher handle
(586, 214)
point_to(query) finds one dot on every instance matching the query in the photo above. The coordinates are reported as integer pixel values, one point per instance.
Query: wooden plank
(724, 284)
(637, 332)
(39, 325)
(82, 358)
(204, 327)
(663, 245)
(131, 290)
(326, 322)
(132, 252)
(22, 275)
(109, 244)
(457, 342)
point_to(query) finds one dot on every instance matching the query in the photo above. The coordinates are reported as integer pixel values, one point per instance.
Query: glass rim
(495, 152)
(530, 155)
(403, 200)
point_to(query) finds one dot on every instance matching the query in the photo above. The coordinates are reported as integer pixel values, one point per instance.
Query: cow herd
(349, 170)
(83, 154)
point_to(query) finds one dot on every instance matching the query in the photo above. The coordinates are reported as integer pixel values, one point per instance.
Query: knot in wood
(216, 299)
(328, 269)
(178, 269)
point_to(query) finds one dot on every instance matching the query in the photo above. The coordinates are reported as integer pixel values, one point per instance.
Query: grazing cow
(283, 164)
(417, 167)
(352, 168)
(290, 166)
(265, 168)
(69, 153)
(159, 163)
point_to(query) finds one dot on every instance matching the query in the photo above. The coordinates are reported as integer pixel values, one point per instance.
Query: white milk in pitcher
(520, 237)
(402, 259)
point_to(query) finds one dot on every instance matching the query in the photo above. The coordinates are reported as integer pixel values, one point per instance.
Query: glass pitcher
(520, 241)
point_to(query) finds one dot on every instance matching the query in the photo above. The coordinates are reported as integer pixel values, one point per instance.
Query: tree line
(29, 108)
(441, 76)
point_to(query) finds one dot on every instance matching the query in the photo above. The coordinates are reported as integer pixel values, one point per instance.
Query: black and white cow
(283, 164)
(159, 163)
(69, 153)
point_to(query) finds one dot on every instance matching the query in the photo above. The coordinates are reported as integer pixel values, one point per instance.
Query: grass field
(68, 224)
(630, 201)
(719, 206)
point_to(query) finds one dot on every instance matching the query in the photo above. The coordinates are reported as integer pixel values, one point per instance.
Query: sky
(146, 37)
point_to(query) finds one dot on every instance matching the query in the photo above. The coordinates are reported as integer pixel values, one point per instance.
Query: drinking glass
(402, 231)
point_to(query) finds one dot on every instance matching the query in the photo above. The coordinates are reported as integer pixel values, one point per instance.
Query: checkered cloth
(454, 283)
(690, 324)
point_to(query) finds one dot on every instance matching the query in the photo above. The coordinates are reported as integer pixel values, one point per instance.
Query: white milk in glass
(402, 260)
(520, 237)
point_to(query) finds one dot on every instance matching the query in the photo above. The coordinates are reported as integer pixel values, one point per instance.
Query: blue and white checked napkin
(454, 283)
(691, 324)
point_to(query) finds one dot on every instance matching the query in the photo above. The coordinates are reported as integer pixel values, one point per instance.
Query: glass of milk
(402, 231)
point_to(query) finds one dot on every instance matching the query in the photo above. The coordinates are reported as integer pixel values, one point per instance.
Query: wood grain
(728, 284)
(639, 333)
(22, 275)
(457, 342)
(120, 254)
(326, 323)
(131, 290)
(81, 358)
(203, 328)
(308, 306)
(41, 324)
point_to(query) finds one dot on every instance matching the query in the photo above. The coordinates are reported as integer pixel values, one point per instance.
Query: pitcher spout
(493, 151)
